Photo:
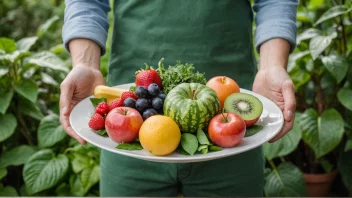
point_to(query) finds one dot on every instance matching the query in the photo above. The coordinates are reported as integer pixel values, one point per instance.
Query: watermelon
(191, 106)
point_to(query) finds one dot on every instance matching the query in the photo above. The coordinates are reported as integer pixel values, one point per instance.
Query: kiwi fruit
(247, 106)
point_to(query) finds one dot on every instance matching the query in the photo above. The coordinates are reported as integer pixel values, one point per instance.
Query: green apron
(216, 36)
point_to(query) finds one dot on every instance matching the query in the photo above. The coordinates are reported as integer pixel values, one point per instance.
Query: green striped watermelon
(191, 106)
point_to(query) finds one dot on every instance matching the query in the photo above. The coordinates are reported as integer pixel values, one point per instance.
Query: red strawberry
(128, 94)
(148, 76)
(96, 122)
(116, 103)
(102, 108)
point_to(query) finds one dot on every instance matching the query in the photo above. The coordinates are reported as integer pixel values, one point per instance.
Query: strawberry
(102, 108)
(96, 122)
(128, 94)
(116, 103)
(148, 76)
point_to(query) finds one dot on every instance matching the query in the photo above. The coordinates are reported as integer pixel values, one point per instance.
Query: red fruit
(128, 94)
(148, 76)
(116, 103)
(102, 108)
(96, 122)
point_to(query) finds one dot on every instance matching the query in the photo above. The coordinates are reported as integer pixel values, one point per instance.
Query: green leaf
(30, 109)
(204, 150)
(308, 34)
(46, 78)
(49, 60)
(299, 77)
(79, 162)
(50, 131)
(5, 100)
(76, 186)
(96, 101)
(14, 56)
(90, 177)
(327, 166)
(3, 71)
(337, 66)
(103, 133)
(202, 138)
(344, 166)
(8, 124)
(202, 147)
(28, 89)
(294, 58)
(8, 191)
(42, 30)
(17, 156)
(189, 143)
(344, 96)
(3, 173)
(319, 43)
(181, 151)
(215, 148)
(7, 45)
(63, 190)
(286, 144)
(286, 181)
(253, 130)
(322, 133)
(348, 145)
(43, 170)
(130, 146)
(26, 43)
(331, 13)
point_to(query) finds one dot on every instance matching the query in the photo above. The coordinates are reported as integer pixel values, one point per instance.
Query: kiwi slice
(245, 105)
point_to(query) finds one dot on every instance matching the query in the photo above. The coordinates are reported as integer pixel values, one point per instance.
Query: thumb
(288, 91)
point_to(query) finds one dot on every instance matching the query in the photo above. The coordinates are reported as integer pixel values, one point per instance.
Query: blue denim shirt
(88, 19)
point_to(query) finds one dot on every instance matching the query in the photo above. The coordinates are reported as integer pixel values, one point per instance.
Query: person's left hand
(275, 84)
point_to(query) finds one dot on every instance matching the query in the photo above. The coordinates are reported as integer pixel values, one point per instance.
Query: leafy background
(39, 159)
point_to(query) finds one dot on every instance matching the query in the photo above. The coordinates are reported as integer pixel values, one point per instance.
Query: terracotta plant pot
(319, 185)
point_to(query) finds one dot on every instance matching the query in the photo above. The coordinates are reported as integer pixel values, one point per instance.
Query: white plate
(271, 120)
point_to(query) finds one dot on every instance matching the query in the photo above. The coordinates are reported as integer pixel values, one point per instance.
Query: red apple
(123, 123)
(227, 129)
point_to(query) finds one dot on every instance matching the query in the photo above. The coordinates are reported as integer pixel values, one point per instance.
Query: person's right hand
(77, 85)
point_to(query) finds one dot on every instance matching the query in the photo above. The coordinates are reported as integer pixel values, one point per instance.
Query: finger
(288, 92)
(65, 109)
(288, 125)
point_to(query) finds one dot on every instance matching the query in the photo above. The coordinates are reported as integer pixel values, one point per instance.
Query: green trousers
(127, 176)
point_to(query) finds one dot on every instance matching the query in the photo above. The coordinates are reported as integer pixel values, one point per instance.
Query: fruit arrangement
(175, 109)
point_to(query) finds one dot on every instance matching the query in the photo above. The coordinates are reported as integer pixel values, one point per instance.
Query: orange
(223, 86)
(160, 135)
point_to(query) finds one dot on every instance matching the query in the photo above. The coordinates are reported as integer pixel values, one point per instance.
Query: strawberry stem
(161, 66)
(147, 67)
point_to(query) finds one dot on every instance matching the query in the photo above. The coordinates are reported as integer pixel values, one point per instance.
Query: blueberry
(149, 112)
(153, 89)
(142, 104)
(129, 102)
(157, 103)
(162, 96)
(142, 92)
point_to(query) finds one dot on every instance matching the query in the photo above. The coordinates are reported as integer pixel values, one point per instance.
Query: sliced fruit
(223, 86)
(245, 105)
(110, 93)
(160, 135)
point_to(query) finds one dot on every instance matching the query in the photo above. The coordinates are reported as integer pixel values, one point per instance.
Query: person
(216, 36)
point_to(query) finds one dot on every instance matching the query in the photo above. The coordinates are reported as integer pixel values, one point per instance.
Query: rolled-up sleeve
(86, 19)
(275, 19)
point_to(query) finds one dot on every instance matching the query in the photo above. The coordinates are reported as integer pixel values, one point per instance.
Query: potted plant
(320, 145)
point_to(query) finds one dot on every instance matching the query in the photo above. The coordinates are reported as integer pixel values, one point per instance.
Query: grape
(129, 102)
(142, 104)
(153, 89)
(157, 103)
(149, 112)
(142, 92)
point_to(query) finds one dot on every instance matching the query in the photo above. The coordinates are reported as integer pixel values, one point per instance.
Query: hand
(78, 84)
(275, 84)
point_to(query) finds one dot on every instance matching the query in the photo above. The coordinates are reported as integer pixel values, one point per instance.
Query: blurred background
(37, 158)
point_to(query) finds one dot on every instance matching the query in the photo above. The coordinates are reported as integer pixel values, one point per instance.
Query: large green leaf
(47, 25)
(50, 131)
(331, 13)
(30, 109)
(76, 185)
(5, 100)
(89, 177)
(28, 89)
(337, 65)
(17, 156)
(8, 191)
(8, 124)
(308, 34)
(26, 43)
(286, 181)
(7, 45)
(294, 58)
(319, 43)
(13, 57)
(344, 165)
(322, 133)
(3, 173)
(49, 60)
(80, 162)
(43, 170)
(299, 77)
(348, 145)
(286, 144)
(345, 97)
